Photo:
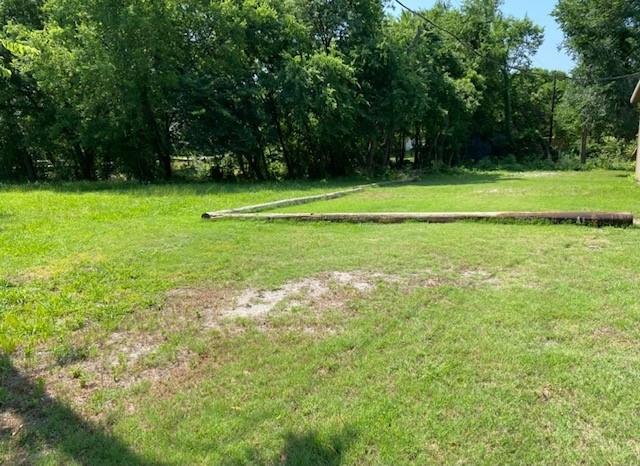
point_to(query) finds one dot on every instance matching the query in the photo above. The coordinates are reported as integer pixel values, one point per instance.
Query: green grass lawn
(471, 343)
(495, 191)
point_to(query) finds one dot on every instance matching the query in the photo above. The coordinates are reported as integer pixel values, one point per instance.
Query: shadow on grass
(307, 449)
(199, 188)
(465, 178)
(45, 425)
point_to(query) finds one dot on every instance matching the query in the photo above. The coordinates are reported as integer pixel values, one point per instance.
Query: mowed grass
(75, 253)
(495, 191)
(515, 344)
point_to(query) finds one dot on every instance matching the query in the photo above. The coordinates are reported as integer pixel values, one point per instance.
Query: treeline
(299, 88)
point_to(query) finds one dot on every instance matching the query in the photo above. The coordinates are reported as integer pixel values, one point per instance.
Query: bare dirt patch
(10, 424)
(538, 174)
(144, 350)
(472, 277)
(595, 243)
(253, 303)
(608, 336)
(501, 191)
(211, 308)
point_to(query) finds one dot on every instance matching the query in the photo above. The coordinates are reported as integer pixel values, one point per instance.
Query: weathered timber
(300, 200)
(618, 219)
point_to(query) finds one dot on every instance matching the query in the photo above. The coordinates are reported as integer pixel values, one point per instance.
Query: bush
(613, 154)
(569, 161)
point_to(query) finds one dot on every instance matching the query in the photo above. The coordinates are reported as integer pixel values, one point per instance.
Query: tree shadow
(307, 449)
(201, 188)
(465, 178)
(44, 425)
(198, 188)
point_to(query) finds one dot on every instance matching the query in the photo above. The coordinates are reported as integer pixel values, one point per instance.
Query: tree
(263, 88)
(604, 38)
(22, 106)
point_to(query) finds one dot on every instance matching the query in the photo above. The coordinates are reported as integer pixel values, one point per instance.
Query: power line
(437, 26)
(511, 67)
(458, 39)
(616, 78)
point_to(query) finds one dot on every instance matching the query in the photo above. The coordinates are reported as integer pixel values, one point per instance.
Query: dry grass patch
(152, 348)
(10, 424)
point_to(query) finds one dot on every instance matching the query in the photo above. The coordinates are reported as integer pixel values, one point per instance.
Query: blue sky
(539, 11)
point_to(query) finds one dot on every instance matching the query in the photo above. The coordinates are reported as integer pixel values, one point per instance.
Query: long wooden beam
(618, 219)
(302, 200)
(282, 203)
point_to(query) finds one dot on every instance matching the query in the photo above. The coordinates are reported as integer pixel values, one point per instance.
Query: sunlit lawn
(492, 344)
(496, 191)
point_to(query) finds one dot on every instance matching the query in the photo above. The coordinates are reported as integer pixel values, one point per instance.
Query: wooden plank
(301, 200)
(282, 203)
(619, 219)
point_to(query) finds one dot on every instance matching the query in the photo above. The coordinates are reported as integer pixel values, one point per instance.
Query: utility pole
(553, 112)
(635, 100)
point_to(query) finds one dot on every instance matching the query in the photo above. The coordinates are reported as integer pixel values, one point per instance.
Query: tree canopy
(298, 88)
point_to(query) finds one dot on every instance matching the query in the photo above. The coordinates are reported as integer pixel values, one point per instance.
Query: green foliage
(613, 154)
(298, 88)
(604, 37)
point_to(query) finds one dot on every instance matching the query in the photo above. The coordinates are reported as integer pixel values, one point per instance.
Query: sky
(539, 11)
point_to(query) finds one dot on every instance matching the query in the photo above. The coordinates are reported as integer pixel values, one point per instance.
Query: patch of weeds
(119, 369)
(66, 354)
(4, 283)
(81, 376)
(76, 323)
(141, 388)
(100, 400)
(198, 346)
(9, 344)
(164, 355)
(5, 368)
(5, 365)
(245, 323)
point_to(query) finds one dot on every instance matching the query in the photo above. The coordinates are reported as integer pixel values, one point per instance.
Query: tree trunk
(508, 111)
(160, 138)
(86, 163)
(21, 154)
(28, 166)
(417, 150)
(440, 151)
(370, 154)
(583, 145)
(553, 113)
(275, 117)
(452, 155)
(259, 165)
(387, 146)
(436, 148)
(241, 158)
